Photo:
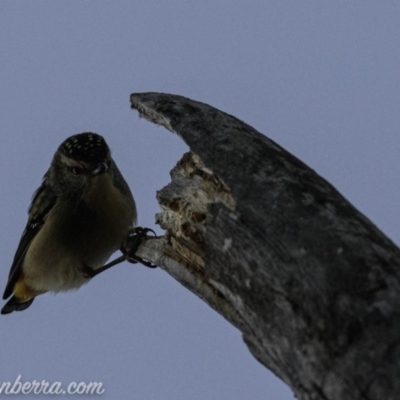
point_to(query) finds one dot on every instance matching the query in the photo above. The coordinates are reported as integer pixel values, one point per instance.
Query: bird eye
(77, 170)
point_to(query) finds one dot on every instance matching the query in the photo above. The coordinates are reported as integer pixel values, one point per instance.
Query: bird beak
(100, 169)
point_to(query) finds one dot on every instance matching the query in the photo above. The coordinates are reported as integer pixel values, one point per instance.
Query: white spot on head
(227, 244)
(233, 216)
(307, 199)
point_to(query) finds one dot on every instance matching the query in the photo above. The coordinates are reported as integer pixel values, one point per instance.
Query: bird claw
(128, 250)
(135, 238)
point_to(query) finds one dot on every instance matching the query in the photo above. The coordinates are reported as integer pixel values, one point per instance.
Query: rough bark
(274, 248)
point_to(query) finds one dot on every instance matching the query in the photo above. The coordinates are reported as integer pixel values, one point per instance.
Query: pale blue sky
(320, 78)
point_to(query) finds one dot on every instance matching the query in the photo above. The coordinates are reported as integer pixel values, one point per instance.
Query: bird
(80, 215)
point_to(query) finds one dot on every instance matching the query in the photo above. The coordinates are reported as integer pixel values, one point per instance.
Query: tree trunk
(312, 284)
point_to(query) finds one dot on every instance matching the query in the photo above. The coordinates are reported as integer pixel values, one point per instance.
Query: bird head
(78, 161)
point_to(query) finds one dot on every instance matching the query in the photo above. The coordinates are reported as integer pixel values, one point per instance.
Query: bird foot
(132, 243)
(135, 238)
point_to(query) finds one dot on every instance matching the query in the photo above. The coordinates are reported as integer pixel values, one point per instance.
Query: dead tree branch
(313, 285)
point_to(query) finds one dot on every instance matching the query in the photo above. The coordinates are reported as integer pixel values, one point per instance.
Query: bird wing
(42, 202)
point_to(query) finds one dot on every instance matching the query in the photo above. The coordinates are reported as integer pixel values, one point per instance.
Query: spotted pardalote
(82, 213)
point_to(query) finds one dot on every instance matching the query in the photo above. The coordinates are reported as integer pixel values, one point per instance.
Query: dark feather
(14, 305)
(42, 202)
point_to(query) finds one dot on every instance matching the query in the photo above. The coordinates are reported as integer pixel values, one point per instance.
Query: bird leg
(135, 238)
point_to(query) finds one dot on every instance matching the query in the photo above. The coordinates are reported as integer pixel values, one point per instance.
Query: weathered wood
(313, 285)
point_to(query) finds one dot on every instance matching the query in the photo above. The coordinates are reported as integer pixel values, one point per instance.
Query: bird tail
(14, 305)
